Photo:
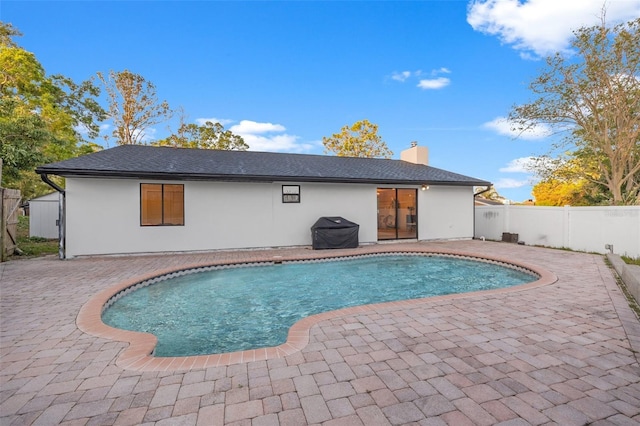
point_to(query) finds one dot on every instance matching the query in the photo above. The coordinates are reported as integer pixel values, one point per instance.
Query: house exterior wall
(445, 213)
(103, 215)
(43, 216)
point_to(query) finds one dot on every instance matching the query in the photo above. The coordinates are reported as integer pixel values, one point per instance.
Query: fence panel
(543, 226)
(8, 221)
(576, 228)
(594, 227)
(491, 222)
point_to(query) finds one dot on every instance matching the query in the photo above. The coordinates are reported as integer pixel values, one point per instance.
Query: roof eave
(245, 178)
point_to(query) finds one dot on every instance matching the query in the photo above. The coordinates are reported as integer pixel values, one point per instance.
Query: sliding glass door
(397, 213)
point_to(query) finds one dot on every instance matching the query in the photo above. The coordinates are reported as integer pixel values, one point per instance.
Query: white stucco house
(143, 199)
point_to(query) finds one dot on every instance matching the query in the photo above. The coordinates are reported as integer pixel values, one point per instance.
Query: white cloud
(502, 126)
(401, 76)
(145, 135)
(269, 137)
(442, 70)
(223, 121)
(435, 83)
(253, 127)
(276, 143)
(543, 27)
(508, 183)
(519, 165)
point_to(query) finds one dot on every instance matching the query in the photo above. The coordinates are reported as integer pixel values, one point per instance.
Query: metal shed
(43, 216)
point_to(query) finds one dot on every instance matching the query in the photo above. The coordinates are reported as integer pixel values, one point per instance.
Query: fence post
(3, 226)
(506, 225)
(566, 227)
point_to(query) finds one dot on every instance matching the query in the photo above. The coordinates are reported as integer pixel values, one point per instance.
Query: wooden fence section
(8, 221)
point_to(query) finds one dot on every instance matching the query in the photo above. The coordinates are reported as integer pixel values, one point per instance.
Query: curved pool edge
(138, 355)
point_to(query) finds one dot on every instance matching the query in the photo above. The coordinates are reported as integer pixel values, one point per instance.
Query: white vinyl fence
(577, 228)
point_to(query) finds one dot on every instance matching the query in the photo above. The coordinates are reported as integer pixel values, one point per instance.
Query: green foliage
(80, 101)
(22, 138)
(361, 139)
(133, 106)
(7, 33)
(594, 98)
(630, 260)
(21, 75)
(209, 136)
(40, 116)
(33, 246)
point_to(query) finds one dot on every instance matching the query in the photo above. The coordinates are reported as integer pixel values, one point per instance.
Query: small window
(161, 204)
(290, 193)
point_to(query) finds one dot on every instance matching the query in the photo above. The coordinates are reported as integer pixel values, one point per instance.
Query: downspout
(474, 207)
(61, 214)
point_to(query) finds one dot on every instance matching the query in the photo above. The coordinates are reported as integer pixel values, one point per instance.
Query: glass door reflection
(397, 214)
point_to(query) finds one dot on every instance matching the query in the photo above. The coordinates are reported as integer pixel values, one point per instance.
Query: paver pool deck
(565, 353)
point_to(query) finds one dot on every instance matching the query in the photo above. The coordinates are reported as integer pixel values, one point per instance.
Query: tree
(42, 118)
(22, 138)
(7, 32)
(560, 193)
(489, 193)
(594, 98)
(569, 180)
(208, 136)
(361, 139)
(133, 106)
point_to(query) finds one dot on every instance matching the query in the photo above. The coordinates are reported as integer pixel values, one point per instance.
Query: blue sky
(283, 74)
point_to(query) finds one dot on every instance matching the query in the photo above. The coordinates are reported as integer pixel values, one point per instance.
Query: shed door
(397, 213)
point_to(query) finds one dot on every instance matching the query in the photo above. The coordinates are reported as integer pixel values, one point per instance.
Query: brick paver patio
(566, 353)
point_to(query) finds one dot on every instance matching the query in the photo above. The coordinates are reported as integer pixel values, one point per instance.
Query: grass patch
(566, 249)
(630, 260)
(633, 303)
(32, 246)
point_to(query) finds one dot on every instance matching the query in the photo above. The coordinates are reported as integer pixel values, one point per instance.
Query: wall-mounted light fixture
(425, 187)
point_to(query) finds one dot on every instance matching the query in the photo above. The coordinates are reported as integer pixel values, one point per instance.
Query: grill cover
(334, 232)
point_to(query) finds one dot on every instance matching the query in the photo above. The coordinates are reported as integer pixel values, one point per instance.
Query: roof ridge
(150, 162)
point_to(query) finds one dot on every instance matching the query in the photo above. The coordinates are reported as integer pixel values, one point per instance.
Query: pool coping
(138, 356)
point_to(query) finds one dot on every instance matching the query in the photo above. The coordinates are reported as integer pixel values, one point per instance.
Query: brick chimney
(416, 154)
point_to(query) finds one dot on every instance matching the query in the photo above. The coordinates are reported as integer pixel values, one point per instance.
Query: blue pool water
(250, 307)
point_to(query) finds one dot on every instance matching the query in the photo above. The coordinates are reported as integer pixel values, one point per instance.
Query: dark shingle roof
(140, 161)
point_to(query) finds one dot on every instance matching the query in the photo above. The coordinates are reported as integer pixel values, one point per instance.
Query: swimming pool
(227, 310)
